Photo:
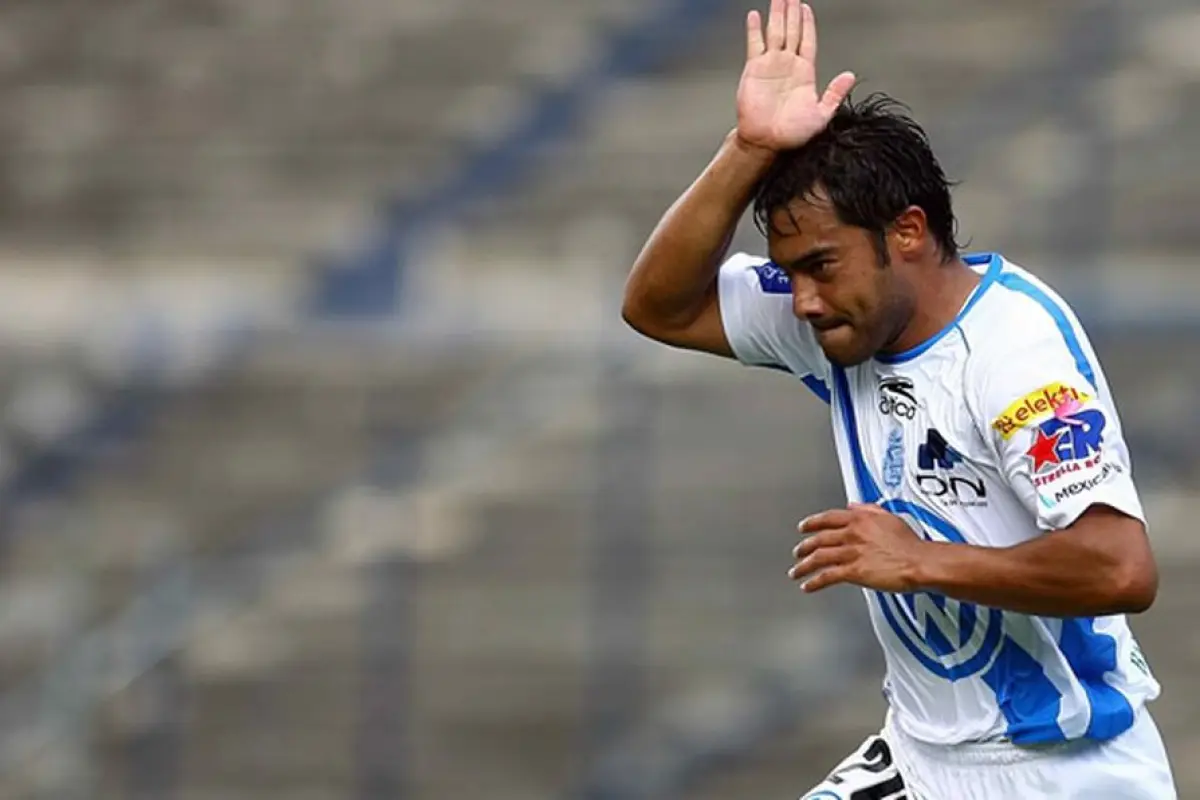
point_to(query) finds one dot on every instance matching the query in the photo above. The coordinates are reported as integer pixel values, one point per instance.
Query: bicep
(1110, 529)
(703, 331)
(1120, 540)
(746, 314)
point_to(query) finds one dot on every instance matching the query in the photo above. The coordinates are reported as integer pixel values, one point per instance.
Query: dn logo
(936, 453)
(954, 490)
(937, 461)
(951, 639)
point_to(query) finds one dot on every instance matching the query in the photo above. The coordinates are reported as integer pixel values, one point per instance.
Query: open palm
(777, 101)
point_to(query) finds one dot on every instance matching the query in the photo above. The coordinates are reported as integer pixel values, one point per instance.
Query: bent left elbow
(1136, 587)
(1131, 573)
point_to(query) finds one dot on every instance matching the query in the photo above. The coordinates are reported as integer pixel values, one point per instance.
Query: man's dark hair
(872, 161)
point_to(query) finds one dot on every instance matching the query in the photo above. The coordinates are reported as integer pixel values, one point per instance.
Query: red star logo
(1045, 449)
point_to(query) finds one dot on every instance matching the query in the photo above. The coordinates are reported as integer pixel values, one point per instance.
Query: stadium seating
(641, 145)
(445, 620)
(257, 129)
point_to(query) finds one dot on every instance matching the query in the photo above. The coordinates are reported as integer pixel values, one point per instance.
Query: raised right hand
(777, 103)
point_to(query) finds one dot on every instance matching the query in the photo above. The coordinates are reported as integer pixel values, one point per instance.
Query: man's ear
(908, 232)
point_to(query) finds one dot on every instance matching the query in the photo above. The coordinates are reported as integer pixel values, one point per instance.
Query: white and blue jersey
(997, 429)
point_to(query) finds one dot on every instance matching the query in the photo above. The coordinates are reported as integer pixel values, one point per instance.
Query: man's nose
(806, 301)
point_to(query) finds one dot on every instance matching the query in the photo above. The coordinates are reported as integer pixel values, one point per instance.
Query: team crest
(893, 460)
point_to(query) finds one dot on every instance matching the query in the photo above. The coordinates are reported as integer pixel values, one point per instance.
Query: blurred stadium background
(328, 469)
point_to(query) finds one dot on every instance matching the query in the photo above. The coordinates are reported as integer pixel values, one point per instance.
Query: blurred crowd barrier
(327, 469)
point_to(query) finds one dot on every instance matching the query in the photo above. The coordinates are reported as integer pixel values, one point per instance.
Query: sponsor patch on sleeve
(1066, 455)
(1038, 405)
(773, 280)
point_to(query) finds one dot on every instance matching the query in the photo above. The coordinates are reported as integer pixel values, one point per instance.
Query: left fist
(862, 545)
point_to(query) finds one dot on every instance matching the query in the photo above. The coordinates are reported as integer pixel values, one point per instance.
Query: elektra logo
(897, 398)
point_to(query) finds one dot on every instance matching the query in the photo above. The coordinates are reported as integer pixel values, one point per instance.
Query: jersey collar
(995, 265)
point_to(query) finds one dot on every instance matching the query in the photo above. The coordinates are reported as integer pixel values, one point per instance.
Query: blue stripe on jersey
(868, 490)
(1028, 700)
(1088, 653)
(1020, 284)
(818, 387)
(995, 264)
(814, 384)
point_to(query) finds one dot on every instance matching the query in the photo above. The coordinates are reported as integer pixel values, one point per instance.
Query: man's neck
(945, 290)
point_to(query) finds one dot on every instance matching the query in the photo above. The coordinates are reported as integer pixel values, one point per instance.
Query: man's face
(855, 302)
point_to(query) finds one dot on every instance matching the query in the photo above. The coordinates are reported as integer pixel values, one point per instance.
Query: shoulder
(755, 302)
(756, 274)
(1025, 345)
(1022, 320)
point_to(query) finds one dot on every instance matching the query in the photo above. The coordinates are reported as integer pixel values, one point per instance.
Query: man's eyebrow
(807, 260)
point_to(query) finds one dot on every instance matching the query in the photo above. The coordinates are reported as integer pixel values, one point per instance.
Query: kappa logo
(897, 398)
(1035, 406)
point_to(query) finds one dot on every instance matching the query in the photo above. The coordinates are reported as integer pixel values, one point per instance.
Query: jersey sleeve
(1055, 432)
(756, 312)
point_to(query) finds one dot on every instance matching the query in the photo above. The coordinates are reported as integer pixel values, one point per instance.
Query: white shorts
(894, 766)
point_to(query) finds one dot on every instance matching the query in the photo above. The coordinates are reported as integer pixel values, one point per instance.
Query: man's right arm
(672, 294)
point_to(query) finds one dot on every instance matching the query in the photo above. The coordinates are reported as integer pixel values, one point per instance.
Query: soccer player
(994, 525)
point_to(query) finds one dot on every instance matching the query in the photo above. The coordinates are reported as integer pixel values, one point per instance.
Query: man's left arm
(1056, 439)
(1054, 431)
(1099, 565)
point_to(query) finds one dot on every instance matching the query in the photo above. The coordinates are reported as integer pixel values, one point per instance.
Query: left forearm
(1059, 574)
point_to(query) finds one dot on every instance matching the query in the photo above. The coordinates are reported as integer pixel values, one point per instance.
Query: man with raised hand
(994, 526)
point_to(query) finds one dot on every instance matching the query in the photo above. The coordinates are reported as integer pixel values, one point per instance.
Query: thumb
(837, 91)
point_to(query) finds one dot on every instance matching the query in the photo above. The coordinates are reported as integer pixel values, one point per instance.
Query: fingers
(755, 46)
(823, 558)
(829, 577)
(794, 32)
(829, 538)
(834, 518)
(836, 92)
(807, 45)
(786, 22)
(777, 25)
